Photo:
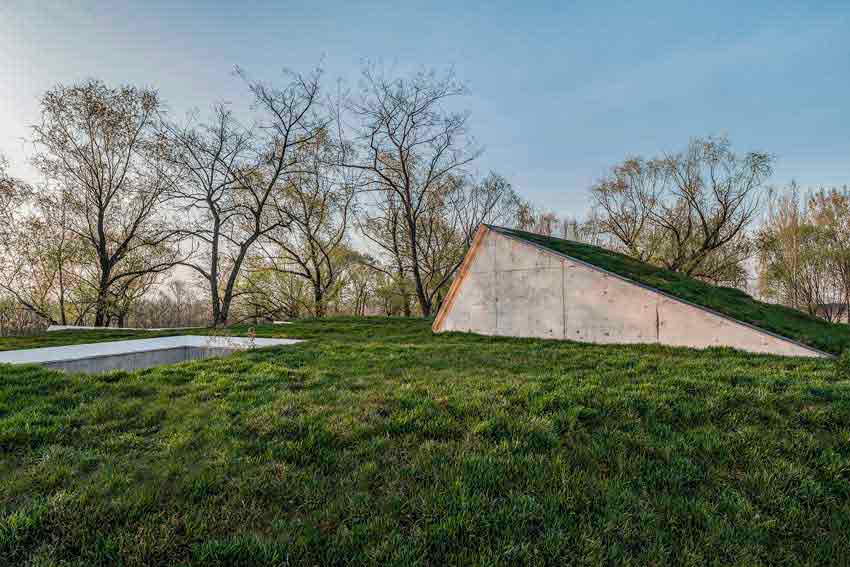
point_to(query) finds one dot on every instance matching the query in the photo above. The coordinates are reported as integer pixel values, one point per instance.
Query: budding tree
(230, 178)
(100, 146)
(314, 212)
(804, 252)
(687, 211)
(416, 152)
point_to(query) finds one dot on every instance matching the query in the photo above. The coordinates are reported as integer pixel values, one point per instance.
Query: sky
(558, 92)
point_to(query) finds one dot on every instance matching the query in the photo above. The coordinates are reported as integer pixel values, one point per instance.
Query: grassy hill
(377, 442)
(817, 333)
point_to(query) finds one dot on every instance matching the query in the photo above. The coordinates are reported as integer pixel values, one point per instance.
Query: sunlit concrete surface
(135, 354)
(52, 328)
(514, 288)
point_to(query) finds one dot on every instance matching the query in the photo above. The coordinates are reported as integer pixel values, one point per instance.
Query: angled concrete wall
(510, 287)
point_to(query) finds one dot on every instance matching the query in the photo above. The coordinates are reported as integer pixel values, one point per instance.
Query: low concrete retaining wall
(138, 360)
(135, 354)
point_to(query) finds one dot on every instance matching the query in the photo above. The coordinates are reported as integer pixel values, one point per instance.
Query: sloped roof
(734, 303)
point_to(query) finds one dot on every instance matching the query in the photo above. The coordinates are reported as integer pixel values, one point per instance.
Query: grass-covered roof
(814, 332)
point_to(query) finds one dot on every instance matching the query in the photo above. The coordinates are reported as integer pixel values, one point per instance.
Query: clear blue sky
(559, 91)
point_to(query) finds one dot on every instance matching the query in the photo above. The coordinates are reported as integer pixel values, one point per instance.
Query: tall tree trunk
(229, 289)
(318, 301)
(62, 316)
(101, 316)
(214, 296)
(215, 316)
(421, 292)
(223, 312)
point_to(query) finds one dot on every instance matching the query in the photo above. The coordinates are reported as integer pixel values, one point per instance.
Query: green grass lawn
(376, 442)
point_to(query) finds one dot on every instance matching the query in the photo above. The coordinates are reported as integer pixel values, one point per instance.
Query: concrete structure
(52, 328)
(135, 354)
(514, 287)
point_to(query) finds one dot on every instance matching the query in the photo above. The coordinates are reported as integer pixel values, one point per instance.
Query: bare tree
(780, 245)
(99, 144)
(314, 212)
(205, 160)
(425, 209)
(720, 192)
(528, 218)
(410, 146)
(231, 178)
(681, 210)
(6, 181)
(491, 200)
(446, 225)
(382, 226)
(39, 256)
(30, 273)
(627, 200)
(127, 295)
(449, 221)
(359, 287)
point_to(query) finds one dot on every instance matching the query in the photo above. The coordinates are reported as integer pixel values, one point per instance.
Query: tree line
(309, 203)
(263, 213)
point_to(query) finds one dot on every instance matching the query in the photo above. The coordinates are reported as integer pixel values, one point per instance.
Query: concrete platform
(135, 354)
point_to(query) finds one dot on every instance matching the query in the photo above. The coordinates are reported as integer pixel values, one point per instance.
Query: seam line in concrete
(564, 296)
(657, 323)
